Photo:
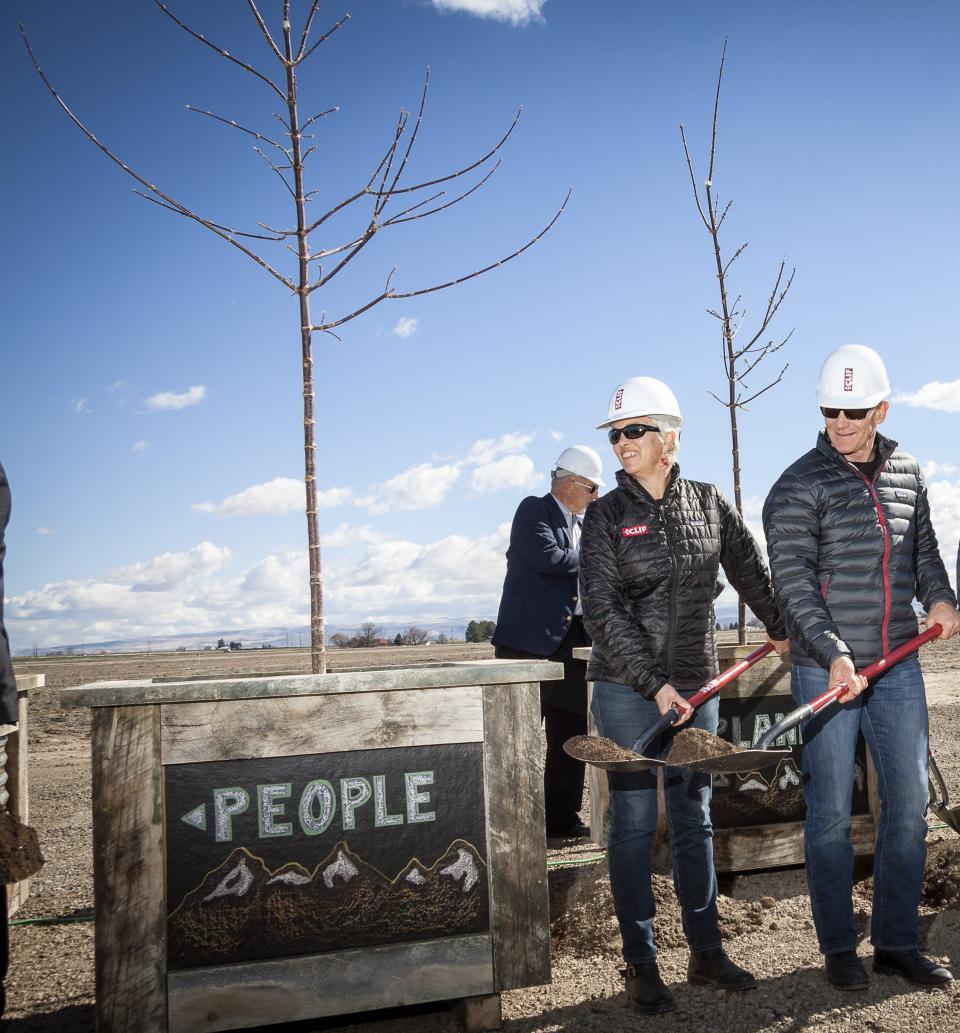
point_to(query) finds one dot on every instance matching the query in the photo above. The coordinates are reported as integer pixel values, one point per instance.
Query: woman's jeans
(622, 715)
(892, 714)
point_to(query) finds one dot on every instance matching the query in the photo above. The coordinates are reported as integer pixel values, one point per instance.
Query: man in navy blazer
(540, 617)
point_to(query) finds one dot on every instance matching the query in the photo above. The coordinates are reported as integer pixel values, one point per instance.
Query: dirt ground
(765, 915)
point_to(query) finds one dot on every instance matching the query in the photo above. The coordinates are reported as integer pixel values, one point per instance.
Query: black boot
(912, 965)
(714, 968)
(647, 991)
(846, 971)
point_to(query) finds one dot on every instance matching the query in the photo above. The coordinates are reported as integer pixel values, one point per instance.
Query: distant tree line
(480, 631)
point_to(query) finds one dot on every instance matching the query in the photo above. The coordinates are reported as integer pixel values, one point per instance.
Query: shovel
(794, 718)
(940, 797)
(584, 747)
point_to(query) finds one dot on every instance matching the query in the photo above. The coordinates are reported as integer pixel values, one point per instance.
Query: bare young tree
(740, 357)
(316, 266)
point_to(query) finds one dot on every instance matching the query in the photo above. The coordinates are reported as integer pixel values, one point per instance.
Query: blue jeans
(892, 714)
(622, 715)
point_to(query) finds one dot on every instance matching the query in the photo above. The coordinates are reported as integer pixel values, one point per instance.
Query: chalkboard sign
(773, 794)
(296, 855)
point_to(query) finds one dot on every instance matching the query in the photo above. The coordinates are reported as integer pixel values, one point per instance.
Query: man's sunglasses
(591, 489)
(631, 431)
(851, 414)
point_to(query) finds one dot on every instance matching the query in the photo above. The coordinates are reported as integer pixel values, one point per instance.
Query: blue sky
(150, 398)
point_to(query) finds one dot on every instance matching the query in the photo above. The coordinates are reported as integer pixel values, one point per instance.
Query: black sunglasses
(631, 431)
(591, 489)
(851, 414)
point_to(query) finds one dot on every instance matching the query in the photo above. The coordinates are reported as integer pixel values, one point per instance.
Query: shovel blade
(585, 748)
(948, 815)
(740, 761)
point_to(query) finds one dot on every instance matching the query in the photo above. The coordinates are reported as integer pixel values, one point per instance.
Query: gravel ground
(765, 916)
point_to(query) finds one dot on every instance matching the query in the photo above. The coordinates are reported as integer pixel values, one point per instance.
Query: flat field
(765, 916)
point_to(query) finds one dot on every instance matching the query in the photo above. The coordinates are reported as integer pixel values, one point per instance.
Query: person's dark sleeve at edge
(8, 685)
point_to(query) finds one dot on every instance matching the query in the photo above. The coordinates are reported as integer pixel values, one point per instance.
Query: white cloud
(80, 405)
(418, 487)
(140, 446)
(44, 530)
(348, 534)
(117, 385)
(931, 468)
(173, 400)
(945, 512)
(509, 472)
(517, 12)
(406, 326)
(276, 497)
(555, 435)
(485, 450)
(195, 591)
(943, 397)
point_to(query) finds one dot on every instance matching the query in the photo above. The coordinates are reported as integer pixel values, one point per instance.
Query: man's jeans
(622, 715)
(892, 714)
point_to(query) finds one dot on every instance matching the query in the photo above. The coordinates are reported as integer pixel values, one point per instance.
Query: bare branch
(469, 168)
(301, 56)
(382, 202)
(773, 383)
(223, 53)
(320, 114)
(175, 205)
(266, 31)
(726, 405)
(230, 231)
(279, 171)
(693, 179)
(362, 242)
(388, 293)
(725, 211)
(306, 28)
(716, 109)
(396, 219)
(740, 250)
(773, 303)
(243, 129)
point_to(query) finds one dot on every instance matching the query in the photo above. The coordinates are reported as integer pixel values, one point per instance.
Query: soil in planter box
(941, 881)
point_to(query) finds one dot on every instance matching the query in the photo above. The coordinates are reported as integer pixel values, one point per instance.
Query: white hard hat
(853, 375)
(642, 396)
(583, 461)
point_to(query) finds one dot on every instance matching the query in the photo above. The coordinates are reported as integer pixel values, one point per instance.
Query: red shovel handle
(701, 695)
(871, 671)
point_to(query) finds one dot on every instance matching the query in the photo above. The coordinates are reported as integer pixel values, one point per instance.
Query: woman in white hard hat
(650, 558)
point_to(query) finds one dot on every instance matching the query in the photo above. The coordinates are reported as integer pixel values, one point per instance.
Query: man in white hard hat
(851, 543)
(541, 617)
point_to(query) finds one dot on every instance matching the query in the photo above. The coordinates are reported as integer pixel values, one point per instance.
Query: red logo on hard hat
(848, 378)
(632, 532)
(618, 401)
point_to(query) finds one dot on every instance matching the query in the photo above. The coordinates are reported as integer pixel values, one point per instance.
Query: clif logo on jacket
(632, 532)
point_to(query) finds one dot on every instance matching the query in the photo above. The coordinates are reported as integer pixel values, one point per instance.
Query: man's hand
(842, 670)
(946, 616)
(668, 697)
(780, 645)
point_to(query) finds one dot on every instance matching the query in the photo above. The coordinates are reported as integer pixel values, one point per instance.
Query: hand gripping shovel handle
(672, 716)
(795, 717)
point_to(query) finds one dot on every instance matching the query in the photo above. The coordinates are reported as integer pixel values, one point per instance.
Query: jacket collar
(637, 491)
(885, 448)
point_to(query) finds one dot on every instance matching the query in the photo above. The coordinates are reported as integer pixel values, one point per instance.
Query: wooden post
(130, 912)
(478, 1014)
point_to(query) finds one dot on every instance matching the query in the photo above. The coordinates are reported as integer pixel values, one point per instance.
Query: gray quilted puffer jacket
(648, 575)
(849, 556)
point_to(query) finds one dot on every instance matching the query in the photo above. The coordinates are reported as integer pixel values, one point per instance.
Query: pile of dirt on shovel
(941, 880)
(693, 744)
(593, 748)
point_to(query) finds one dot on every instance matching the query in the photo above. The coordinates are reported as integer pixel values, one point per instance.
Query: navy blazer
(8, 684)
(540, 589)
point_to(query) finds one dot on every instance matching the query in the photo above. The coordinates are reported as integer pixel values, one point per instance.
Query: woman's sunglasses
(851, 414)
(631, 431)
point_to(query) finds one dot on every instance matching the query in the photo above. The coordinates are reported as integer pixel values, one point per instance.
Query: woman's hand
(668, 697)
(780, 645)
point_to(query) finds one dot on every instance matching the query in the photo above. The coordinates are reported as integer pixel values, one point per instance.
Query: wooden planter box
(757, 817)
(276, 849)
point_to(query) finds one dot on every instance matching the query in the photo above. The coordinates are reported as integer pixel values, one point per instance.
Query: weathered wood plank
(597, 783)
(772, 846)
(516, 838)
(484, 672)
(256, 993)
(128, 871)
(18, 781)
(292, 725)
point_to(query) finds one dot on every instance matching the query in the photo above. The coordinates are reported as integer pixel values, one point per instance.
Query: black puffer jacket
(848, 556)
(648, 573)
